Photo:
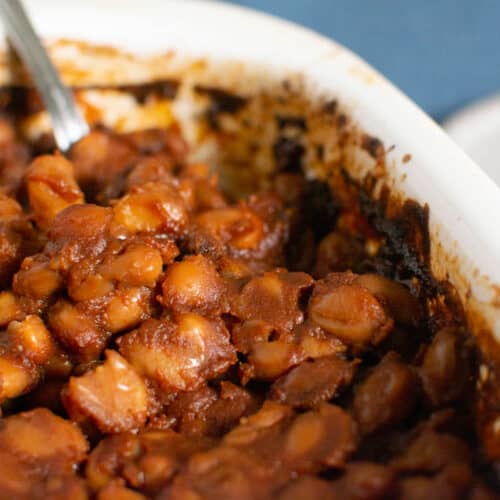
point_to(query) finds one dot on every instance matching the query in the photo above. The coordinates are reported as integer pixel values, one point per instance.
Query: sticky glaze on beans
(162, 341)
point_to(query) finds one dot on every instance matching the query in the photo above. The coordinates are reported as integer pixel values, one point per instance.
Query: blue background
(442, 53)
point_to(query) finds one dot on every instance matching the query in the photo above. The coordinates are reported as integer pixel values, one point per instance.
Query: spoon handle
(67, 122)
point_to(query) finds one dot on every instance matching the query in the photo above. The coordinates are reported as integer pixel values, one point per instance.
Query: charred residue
(221, 101)
(164, 89)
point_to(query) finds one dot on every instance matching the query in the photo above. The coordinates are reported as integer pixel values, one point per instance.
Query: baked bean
(76, 331)
(349, 311)
(270, 360)
(387, 396)
(234, 269)
(179, 356)
(13, 475)
(205, 193)
(249, 333)
(207, 196)
(400, 303)
(26, 435)
(113, 396)
(37, 279)
(232, 404)
(273, 298)
(139, 265)
(151, 169)
(60, 488)
(312, 382)
(99, 159)
(89, 155)
(366, 481)
(77, 232)
(87, 284)
(126, 308)
(32, 339)
(26, 346)
(277, 219)
(453, 482)
(9, 208)
(152, 140)
(305, 487)
(257, 427)
(17, 238)
(239, 228)
(158, 169)
(194, 284)
(432, 451)
(325, 436)
(188, 410)
(316, 343)
(16, 377)
(152, 207)
(10, 309)
(253, 232)
(51, 188)
(445, 368)
(115, 491)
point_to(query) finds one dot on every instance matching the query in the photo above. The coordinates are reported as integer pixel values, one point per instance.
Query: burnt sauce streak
(161, 339)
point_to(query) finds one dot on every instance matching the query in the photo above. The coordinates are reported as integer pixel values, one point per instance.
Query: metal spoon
(67, 122)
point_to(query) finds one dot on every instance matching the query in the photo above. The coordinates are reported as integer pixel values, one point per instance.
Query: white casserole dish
(247, 53)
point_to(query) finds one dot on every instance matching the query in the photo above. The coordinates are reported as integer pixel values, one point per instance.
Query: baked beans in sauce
(162, 340)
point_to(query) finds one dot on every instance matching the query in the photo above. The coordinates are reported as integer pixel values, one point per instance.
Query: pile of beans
(160, 340)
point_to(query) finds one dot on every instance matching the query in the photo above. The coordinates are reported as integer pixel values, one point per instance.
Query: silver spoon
(67, 123)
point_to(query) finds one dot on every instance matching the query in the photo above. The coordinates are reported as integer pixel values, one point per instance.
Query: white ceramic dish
(476, 129)
(245, 51)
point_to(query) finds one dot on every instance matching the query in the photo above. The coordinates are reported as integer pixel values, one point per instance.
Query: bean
(139, 265)
(51, 188)
(113, 396)
(31, 338)
(349, 311)
(387, 396)
(194, 284)
(152, 207)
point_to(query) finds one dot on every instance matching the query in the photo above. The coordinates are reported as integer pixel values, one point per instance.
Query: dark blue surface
(442, 53)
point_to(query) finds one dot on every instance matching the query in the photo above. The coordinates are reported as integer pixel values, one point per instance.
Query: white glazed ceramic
(464, 203)
(476, 129)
